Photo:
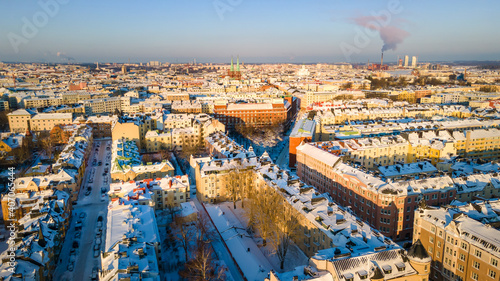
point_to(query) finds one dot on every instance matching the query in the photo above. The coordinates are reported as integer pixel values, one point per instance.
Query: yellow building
(19, 120)
(397, 265)
(462, 241)
(47, 121)
(481, 143)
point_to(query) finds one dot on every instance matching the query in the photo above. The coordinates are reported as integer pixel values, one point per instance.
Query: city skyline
(260, 32)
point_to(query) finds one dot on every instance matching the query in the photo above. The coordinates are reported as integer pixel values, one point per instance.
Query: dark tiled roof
(417, 250)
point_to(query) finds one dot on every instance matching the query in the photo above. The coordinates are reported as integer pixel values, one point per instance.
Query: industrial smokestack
(382, 61)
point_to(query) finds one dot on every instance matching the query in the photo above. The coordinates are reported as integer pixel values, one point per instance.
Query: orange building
(254, 114)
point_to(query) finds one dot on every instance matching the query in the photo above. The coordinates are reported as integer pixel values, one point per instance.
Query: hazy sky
(294, 31)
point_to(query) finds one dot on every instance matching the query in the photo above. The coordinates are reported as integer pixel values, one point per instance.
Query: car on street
(100, 163)
(82, 215)
(87, 193)
(75, 244)
(78, 234)
(71, 266)
(94, 275)
(96, 253)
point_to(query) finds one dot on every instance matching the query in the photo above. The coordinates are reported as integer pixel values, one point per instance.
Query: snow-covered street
(84, 226)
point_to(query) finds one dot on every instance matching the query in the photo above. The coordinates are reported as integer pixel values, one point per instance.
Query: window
(433, 229)
(431, 239)
(463, 246)
(476, 265)
(477, 253)
(492, 273)
(462, 257)
(439, 244)
(460, 268)
(494, 262)
(474, 276)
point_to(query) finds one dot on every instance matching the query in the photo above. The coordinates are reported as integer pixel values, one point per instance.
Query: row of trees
(248, 130)
(268, 213)
(274, 219)
(401, 82)
(195, 238)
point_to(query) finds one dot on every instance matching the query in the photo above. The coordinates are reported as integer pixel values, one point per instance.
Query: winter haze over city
(250, 140)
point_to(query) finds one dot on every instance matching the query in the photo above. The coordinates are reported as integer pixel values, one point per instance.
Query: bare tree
(171, 210)
(262, 208)
(286, 223)
(233, 184)
(204, 229)
(45, 142)
(182, 234)
(203, 266)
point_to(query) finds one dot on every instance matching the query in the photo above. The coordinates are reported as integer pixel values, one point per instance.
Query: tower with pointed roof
(235, 74)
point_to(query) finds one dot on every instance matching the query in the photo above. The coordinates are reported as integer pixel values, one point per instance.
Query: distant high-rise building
(154, 63)
(413, 61)
(124, 69)
(406, 61)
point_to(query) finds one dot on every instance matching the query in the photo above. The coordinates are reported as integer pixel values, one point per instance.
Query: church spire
(232, 66)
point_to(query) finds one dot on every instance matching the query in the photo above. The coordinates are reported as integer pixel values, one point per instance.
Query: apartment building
(478, 144)
(303, 131)
(39, 237)
(321, 222)
(105, 105)
(101, 125)
(47, 121)
(186, 106)
(313, 97)
(386, 205)
(126, 163)
(159, 193)
(132, 246)
(133, 127)
(396, 264)
(37, 102)
(19, 120)
(433, 145)
(73, 97)
(267, 113)
(462, 239)
(174, 139)
(182, 131)
(4, 105)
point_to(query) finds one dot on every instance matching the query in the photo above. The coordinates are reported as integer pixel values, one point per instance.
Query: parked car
(71, 266)
(75, 244)
(94, 275)
(82, 215)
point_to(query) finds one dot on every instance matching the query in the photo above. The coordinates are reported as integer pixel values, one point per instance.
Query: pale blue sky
(259, 31)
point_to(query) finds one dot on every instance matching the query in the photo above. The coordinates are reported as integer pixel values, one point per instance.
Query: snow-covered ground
(93, 207)
(257, 262)
(173, 256)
